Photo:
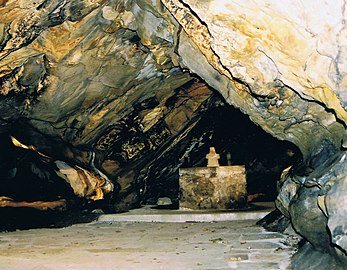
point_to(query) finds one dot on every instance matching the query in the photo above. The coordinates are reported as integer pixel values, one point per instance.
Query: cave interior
(102, 102)
(237, 139)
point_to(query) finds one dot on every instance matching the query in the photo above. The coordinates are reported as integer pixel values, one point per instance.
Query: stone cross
(212, 158)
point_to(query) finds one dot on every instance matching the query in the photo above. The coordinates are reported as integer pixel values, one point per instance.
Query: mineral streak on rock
(40, 205)
(83, 182)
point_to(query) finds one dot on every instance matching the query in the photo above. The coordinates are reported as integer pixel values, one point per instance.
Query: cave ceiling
(73, 69)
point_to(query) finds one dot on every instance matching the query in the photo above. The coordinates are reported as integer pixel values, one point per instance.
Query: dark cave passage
(239, 142)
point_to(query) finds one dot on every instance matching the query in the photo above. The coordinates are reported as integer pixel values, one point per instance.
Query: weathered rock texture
(107, 87)
(270, 59)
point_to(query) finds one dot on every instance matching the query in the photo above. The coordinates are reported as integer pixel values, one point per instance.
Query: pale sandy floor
(129, 245)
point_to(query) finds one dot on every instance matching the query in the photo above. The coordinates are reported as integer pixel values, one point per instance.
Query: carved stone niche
(222, 187)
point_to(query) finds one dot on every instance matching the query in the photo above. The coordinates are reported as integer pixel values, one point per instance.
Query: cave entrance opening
(238, 141)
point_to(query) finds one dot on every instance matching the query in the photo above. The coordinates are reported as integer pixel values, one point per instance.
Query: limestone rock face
(270, 59)
(268, 42)
(116, 88)
(95, 79)
(314, 205)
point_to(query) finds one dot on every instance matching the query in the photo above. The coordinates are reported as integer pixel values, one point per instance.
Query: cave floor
(236, 244)
(151, 214)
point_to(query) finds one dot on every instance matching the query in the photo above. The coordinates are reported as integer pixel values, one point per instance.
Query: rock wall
(281, 63)
(95, 78)
(108, 86)
(283, 70)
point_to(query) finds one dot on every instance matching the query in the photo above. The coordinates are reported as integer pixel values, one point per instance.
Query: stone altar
(213, 187)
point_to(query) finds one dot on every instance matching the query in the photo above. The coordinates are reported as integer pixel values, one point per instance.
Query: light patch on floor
(134, 245)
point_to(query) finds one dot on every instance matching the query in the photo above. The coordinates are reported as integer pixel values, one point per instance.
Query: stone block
(221, 187)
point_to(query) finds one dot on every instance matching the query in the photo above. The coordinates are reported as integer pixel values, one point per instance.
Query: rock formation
(111, 90)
